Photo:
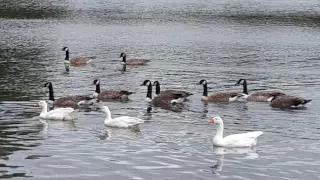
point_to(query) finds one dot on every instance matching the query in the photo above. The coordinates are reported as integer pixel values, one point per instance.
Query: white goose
(120, 122)
(64, 114)
(235, 140)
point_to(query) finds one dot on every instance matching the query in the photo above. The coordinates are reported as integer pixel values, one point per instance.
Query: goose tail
(306, 101)
(71, 116)
(92, 57)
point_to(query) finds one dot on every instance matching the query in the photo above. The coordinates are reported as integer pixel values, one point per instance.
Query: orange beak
(211, 121)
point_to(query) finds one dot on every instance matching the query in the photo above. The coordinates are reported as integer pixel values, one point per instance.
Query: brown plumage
(183, 94)
(71, 100)
(285, 101)
(80, 60)
(75, 61)
(67, 101)
(262, 96)
(164, 101)
(133, 61)
(110, 94)
(218, 97)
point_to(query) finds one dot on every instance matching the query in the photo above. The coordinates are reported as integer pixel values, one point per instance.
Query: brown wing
(137, 61)
(176, 92)
(263, 96)
(114, 95)
(70, 100)
(287, 101)
(80, 60)
(221, 97)
(163, 101)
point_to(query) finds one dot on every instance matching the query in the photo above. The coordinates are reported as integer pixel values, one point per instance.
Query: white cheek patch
(98, 82)
(66, 49)
(204, 82)
(149, 83)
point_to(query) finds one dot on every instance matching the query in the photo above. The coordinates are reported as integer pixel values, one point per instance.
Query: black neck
(67, 55)
(98, 88)
(205, 90)
(149, 93)
(245, 89)
(51, 96)
(157, 89)
(124, 58)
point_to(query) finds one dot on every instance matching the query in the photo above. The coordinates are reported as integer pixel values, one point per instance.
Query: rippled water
(273, 44)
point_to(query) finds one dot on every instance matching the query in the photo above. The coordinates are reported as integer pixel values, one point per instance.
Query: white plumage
(235, 140)
(120, 122)
(56, 114)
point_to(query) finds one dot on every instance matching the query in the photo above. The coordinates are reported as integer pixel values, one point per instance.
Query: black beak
(237, 84)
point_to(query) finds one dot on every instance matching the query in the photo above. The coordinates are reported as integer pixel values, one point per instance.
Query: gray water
(273, 44)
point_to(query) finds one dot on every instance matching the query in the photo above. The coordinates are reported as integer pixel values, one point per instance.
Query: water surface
(273, 44)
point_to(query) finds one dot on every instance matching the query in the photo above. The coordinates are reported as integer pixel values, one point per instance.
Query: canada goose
(75, 61)
(133, 61)
(218, 97)
(286, 102)
(67, 100)
(149, 92)
(183, 94)
(110, 95)
(262, 96)
(162, 98)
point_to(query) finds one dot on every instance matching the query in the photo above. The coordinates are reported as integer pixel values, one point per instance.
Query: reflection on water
(273, 44)
(221, 152)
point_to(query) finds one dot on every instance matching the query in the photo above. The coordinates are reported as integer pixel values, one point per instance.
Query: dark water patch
(28, 9)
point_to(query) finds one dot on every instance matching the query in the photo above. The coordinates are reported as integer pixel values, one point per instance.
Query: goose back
(133, 61)
(285, 101)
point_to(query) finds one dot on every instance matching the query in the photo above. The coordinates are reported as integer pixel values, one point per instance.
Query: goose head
(216, 120)
(96, 82)
(41, 104)
(146, 83)
(241, 82)
(65, 49)
(123, 54)
(203, 82)
(48, 84)
(104, 109)
(156, 83)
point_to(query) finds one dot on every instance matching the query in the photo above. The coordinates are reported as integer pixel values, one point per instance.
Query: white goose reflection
(221, 151)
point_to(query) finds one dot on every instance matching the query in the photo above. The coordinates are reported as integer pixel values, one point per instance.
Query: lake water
(273, 44)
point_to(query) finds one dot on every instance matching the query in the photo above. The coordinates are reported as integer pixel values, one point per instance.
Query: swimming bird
(286, 102)
(63, 114)
(261, 96)
(75, 61)
(133, 61)
(120, 122)
(219, 97)
(110, 94)
(148, 83)
(165, 101)
(183, 94)
(71, 101)
(248, 139)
